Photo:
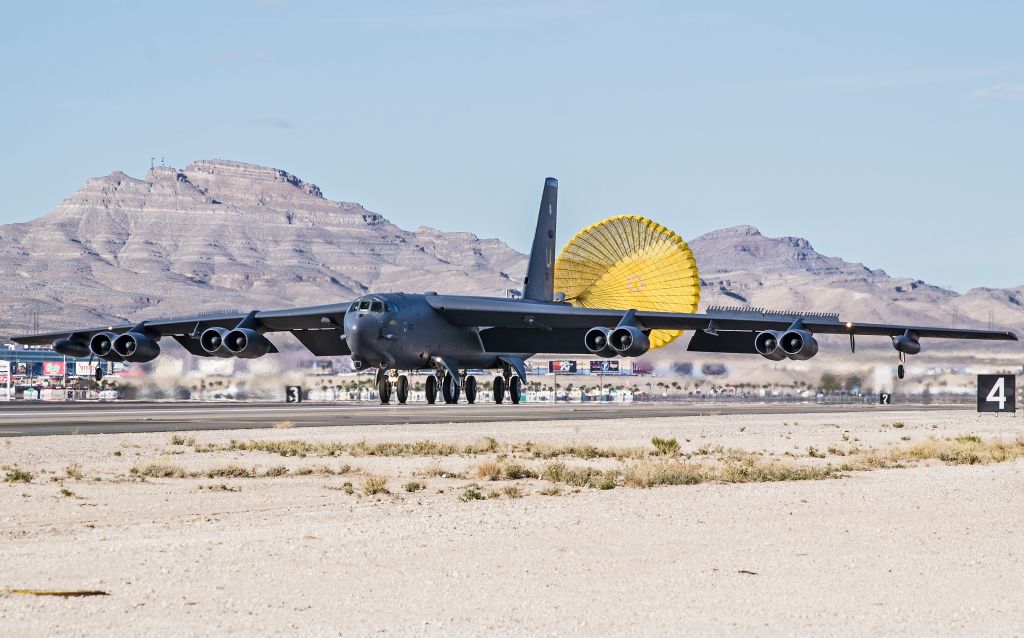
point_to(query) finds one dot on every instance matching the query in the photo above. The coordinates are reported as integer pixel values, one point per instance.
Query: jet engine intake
(799, 345)
(102, 345)
(136, 347)
(246, 343)
(766, 344)
(596, 341)
(212, 341)
(907, 344)
(629, 341)
(70, 348)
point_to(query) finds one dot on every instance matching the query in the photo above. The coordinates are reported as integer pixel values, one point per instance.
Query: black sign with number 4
(997, 393)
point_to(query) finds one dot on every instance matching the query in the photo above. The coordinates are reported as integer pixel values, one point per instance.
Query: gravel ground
(929, 550)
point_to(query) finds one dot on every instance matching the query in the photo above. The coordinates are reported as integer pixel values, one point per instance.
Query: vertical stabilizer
(539, 284)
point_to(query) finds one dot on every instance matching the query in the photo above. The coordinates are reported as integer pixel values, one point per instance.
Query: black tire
(99, 372)
(431, 389)
(515, 389)
(499, 390)
(470, 390)
(901, 371)
(402, 389)
(384, 390)
(450, 389)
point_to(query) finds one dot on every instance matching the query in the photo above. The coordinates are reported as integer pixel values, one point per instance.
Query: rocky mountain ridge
(220, 235)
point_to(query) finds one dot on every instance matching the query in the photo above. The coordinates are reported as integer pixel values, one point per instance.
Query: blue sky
(890, 133)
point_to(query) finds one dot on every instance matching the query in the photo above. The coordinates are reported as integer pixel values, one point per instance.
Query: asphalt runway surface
(39, 419)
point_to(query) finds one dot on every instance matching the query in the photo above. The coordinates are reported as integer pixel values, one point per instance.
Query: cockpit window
(355, 306)
(364, 305)
(377, 306)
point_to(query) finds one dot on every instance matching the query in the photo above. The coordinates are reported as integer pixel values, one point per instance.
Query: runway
(38, 419)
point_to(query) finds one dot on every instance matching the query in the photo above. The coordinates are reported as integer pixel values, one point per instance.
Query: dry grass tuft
(512, 491)
(471, 493)
(74, 471)
(159, 469)
(491, 470)
(666, 447)
(375, 484)
(414, 486)
(284, 425)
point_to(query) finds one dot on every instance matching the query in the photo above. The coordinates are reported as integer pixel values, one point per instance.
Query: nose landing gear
(385, 381)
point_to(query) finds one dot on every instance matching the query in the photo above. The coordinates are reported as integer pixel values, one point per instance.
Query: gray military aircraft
(448, 334)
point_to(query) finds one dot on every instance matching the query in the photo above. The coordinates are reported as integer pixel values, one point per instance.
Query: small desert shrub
(74, 471)
(898, 424)
(514, 471)
(471, 493)
(512, 491)
(666, 447)
(66, 492)
(347, 486)
(414, 486)
(434, 470)
(579, 476)
(284, 425)
(771, 472)
(815, 453)
(375, 484)
(277, 470)
(968, 438)
(177, 439)
(663, 473)
(16, 475)
(160, 470)
(554, 490)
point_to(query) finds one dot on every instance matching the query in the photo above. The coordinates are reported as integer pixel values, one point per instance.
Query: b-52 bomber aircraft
(448, 334)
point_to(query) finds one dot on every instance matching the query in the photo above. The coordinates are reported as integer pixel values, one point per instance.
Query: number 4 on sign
(998, 393)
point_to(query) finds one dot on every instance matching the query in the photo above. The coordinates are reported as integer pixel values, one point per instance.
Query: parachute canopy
(630, 262)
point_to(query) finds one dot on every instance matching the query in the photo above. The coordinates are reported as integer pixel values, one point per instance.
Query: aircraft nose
(362, 334)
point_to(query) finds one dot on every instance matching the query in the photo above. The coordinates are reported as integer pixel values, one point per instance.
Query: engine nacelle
(246, 343)
(102, 345)
(799, 345)
(136, 347)
(906, 344)
(213, 342)
(70, 348)
(629, 341)
(766, 344)
(596, 341)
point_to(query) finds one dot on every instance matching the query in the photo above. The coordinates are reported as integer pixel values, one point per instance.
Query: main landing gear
(514, 385)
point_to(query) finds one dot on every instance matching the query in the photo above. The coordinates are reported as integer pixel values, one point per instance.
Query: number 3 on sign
(997, 393)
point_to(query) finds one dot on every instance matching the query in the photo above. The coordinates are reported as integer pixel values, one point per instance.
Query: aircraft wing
(516, 313)
(300, 321)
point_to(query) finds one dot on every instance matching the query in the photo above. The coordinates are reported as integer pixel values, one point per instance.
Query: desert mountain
(220, 235)
(740, 266)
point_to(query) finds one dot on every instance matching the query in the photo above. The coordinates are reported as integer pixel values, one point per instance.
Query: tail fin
(539, 284)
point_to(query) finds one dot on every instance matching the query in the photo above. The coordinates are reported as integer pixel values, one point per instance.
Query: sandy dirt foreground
(932, 549)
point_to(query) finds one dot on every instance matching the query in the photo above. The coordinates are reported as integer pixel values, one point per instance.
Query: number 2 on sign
(998, 393)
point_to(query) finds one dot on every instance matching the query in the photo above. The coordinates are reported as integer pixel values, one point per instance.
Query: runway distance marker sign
(884, 398)
(293, 394)
(997, 393)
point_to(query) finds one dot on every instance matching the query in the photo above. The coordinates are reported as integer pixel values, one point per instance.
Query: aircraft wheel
(450, 389)
(431, 389)
(384, 390)
(901, 371)
(470, 389)
(99, 372)
(515, 389)
(499, 390)
(402, 389)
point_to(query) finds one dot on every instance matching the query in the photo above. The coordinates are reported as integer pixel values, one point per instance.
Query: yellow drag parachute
(630, 262)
